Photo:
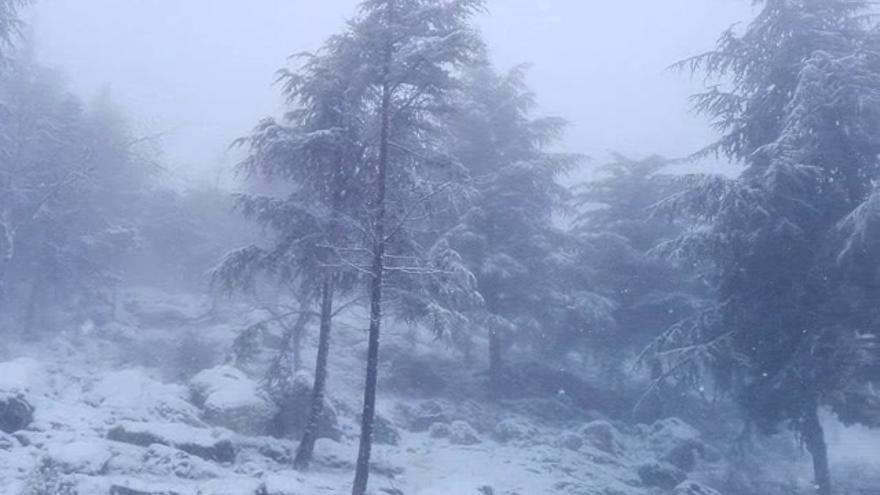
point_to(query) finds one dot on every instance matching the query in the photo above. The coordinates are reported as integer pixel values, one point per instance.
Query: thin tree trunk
(362, 468)
(814, 439)
(495, 364)
(30, 315)
(310, 434)
(298, 332)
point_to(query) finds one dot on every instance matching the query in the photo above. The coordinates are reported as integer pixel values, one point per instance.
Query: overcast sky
(203, 69)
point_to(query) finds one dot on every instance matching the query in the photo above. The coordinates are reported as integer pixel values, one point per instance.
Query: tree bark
(30, 315)
(495, 364)
(298, 332)
(362, 468)
(310, 434)
(814, 439)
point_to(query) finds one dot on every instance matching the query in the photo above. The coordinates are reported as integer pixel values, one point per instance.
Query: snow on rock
(384, 431)
(570, 441)
(661, 475)
(89, 456)
(168, 462)
(513, 430)
(16, 413)
(603, 436)
(8, 442)
(207, 444)
(439, 430)
(20, 381)
(232, 400)
(23, 376)
(462, 433)
(694, 488)
(293, 409)
(425, 414)
(676, 442)
(132, 395)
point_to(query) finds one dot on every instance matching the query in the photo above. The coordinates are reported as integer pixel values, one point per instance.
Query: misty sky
(202, 70)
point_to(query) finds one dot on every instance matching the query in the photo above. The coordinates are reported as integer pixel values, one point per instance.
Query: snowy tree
(410, 53)
(617, 233)
(799, 109)
(507, 233)
(10, 22)
(317, 149)
(65, 174)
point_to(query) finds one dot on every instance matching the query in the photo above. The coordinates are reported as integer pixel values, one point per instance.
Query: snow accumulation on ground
(102, 423)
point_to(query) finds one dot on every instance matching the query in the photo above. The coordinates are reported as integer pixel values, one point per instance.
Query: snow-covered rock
(8, 442)
(88, 456)
(132, 395)
(425, 414)
(439, 430)
(16, 413)
(294, 404)
(209, 445)
(513, 430)
(603, 436)
(570, 441)
(462, 433)
(23, 376)
(166, 462)
(384, 431)
(694, 488)
(232, 400)
(661, 475)
(676, 442)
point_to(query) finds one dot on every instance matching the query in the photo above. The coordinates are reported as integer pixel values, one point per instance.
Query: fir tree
(801, 113)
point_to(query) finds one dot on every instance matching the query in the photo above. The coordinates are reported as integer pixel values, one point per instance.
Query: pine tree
(10, 22)
(617, 233)
(801, 114)
(411, 52)
(507, 235)
(316, 149)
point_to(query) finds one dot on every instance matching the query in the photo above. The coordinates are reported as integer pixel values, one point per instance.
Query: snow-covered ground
(112, 417)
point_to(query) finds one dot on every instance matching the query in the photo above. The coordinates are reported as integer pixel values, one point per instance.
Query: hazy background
(202, 70)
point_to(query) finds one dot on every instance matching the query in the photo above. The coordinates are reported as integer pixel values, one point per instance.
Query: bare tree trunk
(362, 468)
(298, 332)
(30, 315)
(310, 434)
(6, 259)
(814, 439)
(495, 364)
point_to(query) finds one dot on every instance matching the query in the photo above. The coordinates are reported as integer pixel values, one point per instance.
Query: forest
(412, 285)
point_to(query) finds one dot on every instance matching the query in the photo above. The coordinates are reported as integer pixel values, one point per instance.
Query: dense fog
(425, 247)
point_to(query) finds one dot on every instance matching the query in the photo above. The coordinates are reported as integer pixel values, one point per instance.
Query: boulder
(439, 430)
(8, 442)
(16, 413)
(89, 456)
(168, 462)
(232, 400)
(661, 475)
(132, 395)
(513, 430)
(384, 431)
(198, 442)
(425, 414)
(693, 488)
(677, 443)
(603, 436)
(293, 406)
(462, 433)
(570, 441)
